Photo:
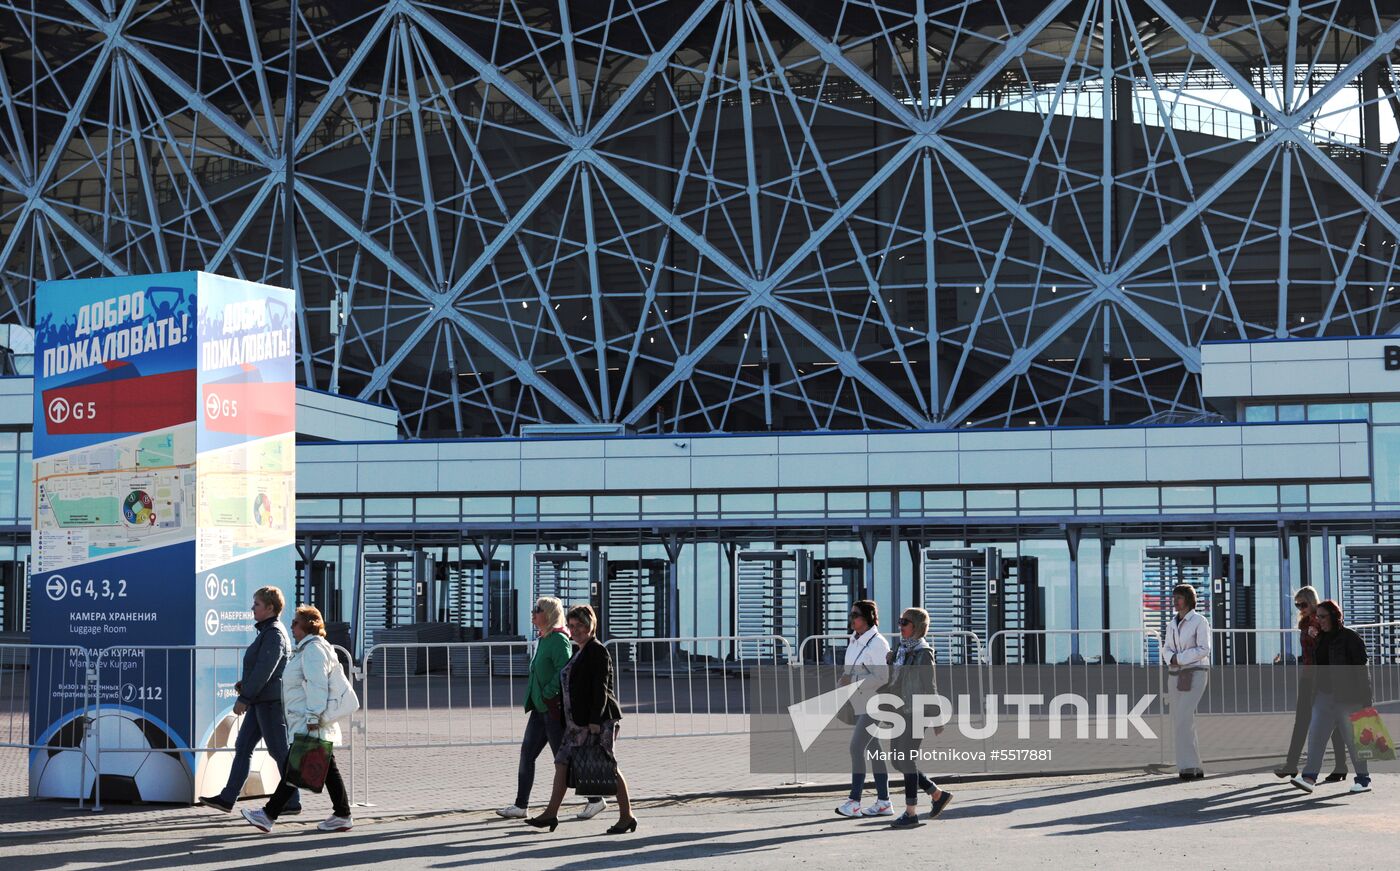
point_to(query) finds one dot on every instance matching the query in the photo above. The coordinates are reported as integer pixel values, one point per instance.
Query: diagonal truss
(724, 214)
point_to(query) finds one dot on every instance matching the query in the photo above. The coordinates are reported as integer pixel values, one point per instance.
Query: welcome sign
(164, 480)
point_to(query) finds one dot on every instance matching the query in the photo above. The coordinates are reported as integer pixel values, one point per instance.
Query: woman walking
(1187, 649)
(591, 713)
(866, 659)
(1343, 687)
(316, 694)
(912, 664)
(544, 705)
(1309, 631)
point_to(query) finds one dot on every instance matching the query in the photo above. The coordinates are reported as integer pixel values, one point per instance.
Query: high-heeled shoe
(622, 828)
(543, 822)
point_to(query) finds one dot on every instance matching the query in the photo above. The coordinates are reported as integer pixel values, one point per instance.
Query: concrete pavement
(1238, 821)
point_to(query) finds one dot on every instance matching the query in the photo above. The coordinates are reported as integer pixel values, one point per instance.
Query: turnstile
(466, 588)
(572, 576)
(1225, 597)
(1370, 585)
(837, 583)
(14, 598)
(979, 590)
(634, 598)
(770, 587)
(325, 589)
(394, 592)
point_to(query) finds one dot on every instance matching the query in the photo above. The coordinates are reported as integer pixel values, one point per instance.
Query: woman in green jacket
(544, 705)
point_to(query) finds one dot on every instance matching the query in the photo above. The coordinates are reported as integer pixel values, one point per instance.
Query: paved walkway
(1230, 821)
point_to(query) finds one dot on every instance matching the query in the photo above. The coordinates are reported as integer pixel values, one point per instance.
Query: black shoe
(1336, 777)
(939, 804)
(1198, 774)
(1183, 775)
(623, 828)
(216, 803)
(1285, 773)
(291, 812)
(550, 823)
(906, 821)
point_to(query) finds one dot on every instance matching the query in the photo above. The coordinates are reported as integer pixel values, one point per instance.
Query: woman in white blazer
(865, 660)
(1187, 651)
(316, 695)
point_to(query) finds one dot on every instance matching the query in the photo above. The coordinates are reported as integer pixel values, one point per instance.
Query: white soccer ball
(263, 774)
(132, 767)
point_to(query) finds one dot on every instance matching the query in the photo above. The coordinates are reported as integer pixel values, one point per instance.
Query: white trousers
(1183, 710)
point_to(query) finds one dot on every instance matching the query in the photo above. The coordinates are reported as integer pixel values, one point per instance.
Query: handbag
(592, 768)
(308, 761)
(1183, 680)
(342, 700)
(1372, 740)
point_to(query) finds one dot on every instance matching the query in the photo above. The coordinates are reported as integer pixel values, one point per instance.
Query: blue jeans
(1328, 717)
(540, 729)
(268, 722)
(861, 742)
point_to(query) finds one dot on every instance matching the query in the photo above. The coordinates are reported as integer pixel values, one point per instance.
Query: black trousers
(1302, 717)
(335, 787)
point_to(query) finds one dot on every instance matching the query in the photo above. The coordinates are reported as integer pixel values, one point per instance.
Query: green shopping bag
(308, 761)
(1372, 739)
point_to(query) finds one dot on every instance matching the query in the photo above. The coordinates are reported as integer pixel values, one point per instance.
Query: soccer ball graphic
(132, 769)
(263, 773)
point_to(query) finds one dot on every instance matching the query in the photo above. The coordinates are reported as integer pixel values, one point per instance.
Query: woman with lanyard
(1187, 651)
(865, 660)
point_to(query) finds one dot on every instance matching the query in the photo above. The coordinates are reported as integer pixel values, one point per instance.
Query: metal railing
(454, 695)
(40, 684)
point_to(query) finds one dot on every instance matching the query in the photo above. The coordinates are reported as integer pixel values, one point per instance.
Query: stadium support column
(1072, 537)
(672, 541)
(1370, 182)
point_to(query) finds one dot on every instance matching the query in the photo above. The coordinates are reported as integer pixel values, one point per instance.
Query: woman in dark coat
(591, 712)
(1343, 687)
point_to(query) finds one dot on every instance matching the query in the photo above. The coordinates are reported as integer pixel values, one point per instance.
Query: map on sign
(120, 496)
(247, 500)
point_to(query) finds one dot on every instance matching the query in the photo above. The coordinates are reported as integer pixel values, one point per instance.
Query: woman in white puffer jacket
(315, 694)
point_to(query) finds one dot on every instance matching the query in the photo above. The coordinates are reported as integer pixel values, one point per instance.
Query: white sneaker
(849, 808)
(879, 809)
(1360, 787)
(336, 824)
(257, 819)
(1300, 782)
(511, 812)
(592, 809)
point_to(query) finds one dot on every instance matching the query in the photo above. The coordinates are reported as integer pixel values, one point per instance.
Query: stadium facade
(721, 312)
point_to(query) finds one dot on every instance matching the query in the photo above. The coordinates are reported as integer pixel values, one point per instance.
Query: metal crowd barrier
(709, 685)
(62, 675)
(1050, 663)
(436, 695)
(137, 686)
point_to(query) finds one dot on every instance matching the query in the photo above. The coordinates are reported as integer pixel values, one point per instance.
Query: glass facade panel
(489, 508)
(1260, 414)
(991, 501)
(1385, 460)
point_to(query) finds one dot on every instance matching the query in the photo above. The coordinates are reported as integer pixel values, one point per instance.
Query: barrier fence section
(63, 676)
(707, 685)
(434, 695)
(1126, 665)
(135, 686)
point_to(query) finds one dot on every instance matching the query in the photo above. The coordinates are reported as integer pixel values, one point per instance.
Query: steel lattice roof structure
(724, 215)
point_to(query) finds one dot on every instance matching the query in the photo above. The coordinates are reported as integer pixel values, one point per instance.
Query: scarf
(906, 647)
